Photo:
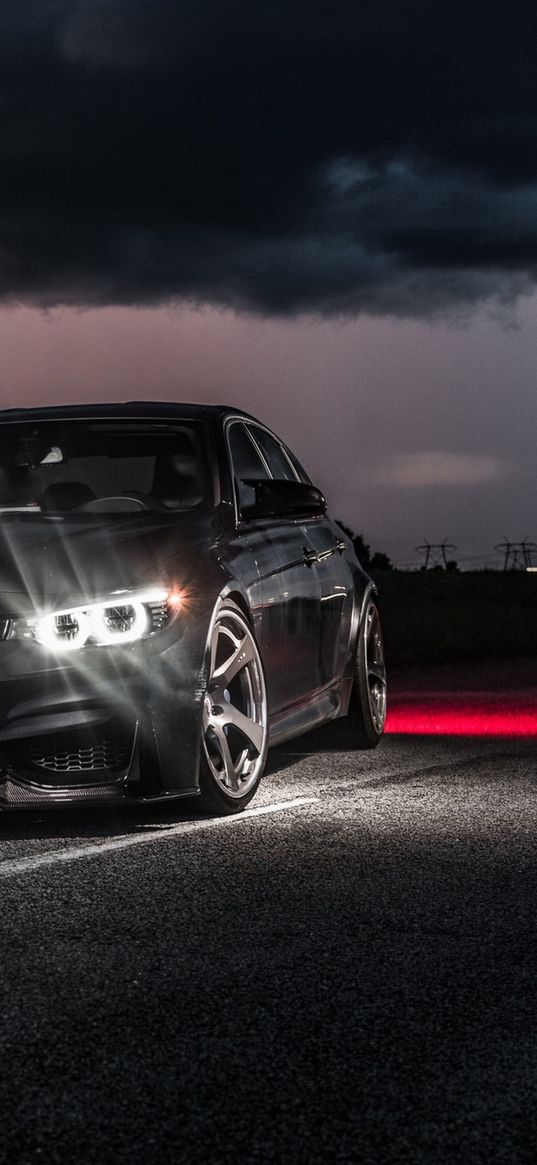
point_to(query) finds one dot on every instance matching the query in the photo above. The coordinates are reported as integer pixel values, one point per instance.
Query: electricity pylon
(517, 555)
(435, 553)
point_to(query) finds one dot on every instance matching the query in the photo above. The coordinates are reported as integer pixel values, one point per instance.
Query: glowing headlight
(122, 618)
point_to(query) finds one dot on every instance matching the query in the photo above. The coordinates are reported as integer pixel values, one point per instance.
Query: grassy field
(438, 617)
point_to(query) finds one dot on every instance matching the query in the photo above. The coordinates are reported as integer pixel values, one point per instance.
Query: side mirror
(284, 499)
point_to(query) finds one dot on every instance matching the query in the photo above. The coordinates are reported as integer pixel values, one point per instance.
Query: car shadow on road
(65, 823)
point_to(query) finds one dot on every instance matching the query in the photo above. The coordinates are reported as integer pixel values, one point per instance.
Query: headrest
(177, 481)
(66, 495)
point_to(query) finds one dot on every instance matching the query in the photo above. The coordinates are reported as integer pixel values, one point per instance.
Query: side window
(246, 462)
(298, 468)
(279, 466)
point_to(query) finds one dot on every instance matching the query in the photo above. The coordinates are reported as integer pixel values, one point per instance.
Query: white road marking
(161, 833)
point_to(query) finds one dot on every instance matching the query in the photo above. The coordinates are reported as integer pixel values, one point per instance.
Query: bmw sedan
(174, 600)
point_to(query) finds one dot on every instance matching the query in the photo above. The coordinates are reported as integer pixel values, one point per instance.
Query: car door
(325, 549)
(285, 598)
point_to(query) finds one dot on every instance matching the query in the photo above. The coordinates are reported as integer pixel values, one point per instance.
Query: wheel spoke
(231, 776)
(253, 732)
(377, 703)
(376, 671)
(241, 657)
(213, 650)
(372, 631)
(207, 708)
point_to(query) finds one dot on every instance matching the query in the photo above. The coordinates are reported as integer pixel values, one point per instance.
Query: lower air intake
(77, 756)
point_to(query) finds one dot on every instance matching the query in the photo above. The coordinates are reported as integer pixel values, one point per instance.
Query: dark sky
(338, 156)
(325, 212)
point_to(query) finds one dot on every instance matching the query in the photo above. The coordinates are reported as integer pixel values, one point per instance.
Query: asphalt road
(347, 979)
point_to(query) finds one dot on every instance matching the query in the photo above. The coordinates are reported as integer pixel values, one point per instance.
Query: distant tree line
(380, 561)
(370, 561)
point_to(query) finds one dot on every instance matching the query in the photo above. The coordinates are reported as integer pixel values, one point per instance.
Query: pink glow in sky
(414, 430)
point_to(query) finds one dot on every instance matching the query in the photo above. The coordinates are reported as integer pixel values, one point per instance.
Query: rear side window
(279, 465)
(246, 463)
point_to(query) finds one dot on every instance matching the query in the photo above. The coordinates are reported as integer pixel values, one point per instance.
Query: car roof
(140, 409)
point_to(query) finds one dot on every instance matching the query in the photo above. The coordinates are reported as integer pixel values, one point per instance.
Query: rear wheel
(235, 718)
(367, 708)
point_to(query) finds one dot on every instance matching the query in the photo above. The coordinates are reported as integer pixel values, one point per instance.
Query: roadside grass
(444, 617)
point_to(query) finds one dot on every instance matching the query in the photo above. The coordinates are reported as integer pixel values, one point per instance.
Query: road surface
(344, 973)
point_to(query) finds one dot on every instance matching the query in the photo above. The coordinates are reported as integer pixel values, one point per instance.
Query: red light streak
(450, 718)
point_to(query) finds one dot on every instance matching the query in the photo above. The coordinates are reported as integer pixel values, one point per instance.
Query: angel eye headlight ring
(121, 618)
(120, 623)
(66, 631)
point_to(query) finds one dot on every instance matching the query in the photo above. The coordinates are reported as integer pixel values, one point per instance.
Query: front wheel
(235, 717)
(367, 708)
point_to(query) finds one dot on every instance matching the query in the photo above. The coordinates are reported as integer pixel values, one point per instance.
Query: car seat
(66, 495)
(177, 481)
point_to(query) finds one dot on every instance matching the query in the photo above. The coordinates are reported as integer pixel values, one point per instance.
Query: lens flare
(177, 599)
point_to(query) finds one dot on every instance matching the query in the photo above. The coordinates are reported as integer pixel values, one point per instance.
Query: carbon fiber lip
(16, 793)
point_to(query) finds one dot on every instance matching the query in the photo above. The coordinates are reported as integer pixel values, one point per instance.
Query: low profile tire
(235, 717)
(367, 709)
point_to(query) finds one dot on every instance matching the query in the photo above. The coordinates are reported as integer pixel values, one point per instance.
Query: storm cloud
(278, 157)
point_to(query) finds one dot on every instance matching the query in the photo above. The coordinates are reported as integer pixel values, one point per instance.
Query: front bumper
(106, 726)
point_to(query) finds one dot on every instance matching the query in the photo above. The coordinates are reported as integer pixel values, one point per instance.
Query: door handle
(310, 557)
(341, 546)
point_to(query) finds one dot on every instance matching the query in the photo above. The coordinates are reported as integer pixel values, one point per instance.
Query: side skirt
(322, 707)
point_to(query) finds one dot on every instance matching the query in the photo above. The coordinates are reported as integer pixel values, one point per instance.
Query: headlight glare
(122, 618)
(119, 624)
(65, 631)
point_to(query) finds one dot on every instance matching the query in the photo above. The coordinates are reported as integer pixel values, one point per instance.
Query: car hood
(76, 558)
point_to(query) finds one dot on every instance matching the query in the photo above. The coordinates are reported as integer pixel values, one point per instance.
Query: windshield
(101, 466)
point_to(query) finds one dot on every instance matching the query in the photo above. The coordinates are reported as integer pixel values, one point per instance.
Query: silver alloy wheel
(235, 708)
(375, 668)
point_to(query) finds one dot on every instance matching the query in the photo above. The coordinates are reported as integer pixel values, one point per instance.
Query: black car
(173, 600)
